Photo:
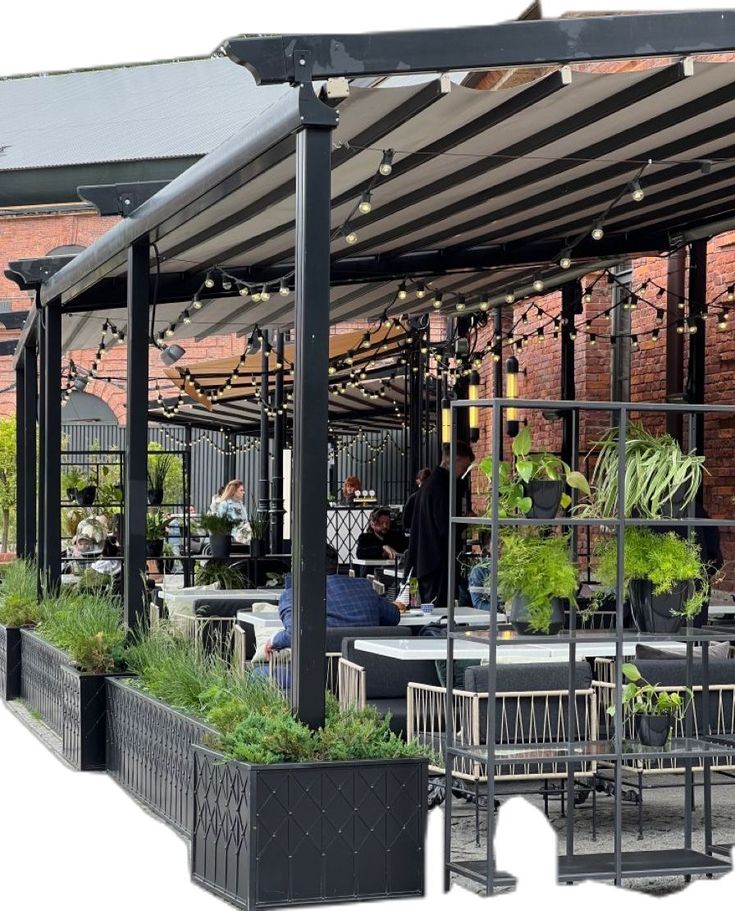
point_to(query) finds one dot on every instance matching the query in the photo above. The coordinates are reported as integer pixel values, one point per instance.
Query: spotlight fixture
(171, 353)
(366, 206)
(598, 231)
(636, 190)
(80, 383)
(386, 164)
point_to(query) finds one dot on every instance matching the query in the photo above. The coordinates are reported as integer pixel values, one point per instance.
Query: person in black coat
(408, 509)
(381, 541)
(428, 553)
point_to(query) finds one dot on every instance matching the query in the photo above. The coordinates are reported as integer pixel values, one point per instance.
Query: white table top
(221, 594)
(384, 561)
(721, 610)
(420, 649)
(468, 616)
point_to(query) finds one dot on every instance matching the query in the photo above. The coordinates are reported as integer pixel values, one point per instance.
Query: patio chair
(211, 634)
(670, 674)
(531, 708)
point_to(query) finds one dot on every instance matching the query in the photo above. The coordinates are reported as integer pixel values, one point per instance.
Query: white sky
(48, 35)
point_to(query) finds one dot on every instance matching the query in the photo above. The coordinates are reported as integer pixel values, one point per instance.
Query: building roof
(127, 113)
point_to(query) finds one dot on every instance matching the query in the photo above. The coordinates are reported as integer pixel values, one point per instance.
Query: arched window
(66, 250)
(85, 408)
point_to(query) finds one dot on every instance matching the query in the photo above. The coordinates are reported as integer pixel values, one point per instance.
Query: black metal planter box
(149, 751)
(9, 662)
(298, 833)
(41, 685)
(84, 718)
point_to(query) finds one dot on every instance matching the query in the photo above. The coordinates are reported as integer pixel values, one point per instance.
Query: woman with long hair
(231, 505)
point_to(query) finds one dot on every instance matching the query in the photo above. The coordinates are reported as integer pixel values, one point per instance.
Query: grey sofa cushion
(212, 606)
(718, 651)
(525, 720)
(388, 678)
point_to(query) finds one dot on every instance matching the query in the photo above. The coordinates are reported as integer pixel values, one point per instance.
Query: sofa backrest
(532, 718)
(337, 634)
(388, 678)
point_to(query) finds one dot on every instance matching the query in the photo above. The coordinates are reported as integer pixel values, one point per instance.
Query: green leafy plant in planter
(259, 526)
(535, 573)
(217, 525)
(88, 627)
(533, 485)
(171, 477)
(159, 468)
(19, 606)
(663, 575)
(79, 485)
(227, 576)
(660, 479)
(655, 710)
(156, 524)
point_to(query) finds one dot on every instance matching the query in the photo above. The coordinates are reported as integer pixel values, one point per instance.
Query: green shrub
(19, 595)
(277, 737)
(227, 576)
(88, 627)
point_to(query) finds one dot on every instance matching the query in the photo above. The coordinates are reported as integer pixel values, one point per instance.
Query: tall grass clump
(19, 595)
(88, 627)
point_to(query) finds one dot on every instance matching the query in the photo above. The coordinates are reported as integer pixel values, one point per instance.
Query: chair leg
(563, 814)
(477, 814)
(640, 806)
(594, 812)
(546, 798)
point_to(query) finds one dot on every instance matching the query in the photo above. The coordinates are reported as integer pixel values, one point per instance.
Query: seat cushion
(512, 678)
(398, 709)
(718, 651)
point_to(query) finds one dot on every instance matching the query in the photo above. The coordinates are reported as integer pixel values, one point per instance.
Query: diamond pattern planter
(9, 662)
(84, 728)
(149, 752)
(267, 836)
(41, 686)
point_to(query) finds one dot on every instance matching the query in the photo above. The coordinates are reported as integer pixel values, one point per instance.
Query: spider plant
(159, 466)
(657, 472)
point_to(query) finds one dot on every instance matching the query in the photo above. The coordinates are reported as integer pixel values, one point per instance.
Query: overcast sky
(43, 36)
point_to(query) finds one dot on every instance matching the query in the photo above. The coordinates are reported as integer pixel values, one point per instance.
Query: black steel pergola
(278, 203)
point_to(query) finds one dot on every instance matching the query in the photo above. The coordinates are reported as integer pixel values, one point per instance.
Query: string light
(386, 165)
(636, 190)
(366, 206)
(598, 231)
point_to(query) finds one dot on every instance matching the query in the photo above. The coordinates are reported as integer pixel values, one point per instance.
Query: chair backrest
(388, 678)
(212, 606)
(530, 714)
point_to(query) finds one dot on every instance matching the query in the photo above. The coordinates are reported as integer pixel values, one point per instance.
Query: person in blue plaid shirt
(350, 602)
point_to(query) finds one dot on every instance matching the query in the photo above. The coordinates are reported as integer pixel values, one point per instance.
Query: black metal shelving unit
(618, 864)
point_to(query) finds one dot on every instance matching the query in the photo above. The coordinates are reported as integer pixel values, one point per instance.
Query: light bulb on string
(510, 298)
(731, 293)
(420, 290)
(283, 289)
(226, 284)
(365, 206)
(538, 283)
(265, 294)
(209, 282)
(186, 318)
(485, 303)
(587, 296)
(386, 164)
(722, 321)
(461, 304)
(350, 237)
(437, 302)
(565, 261)
(196, 304)
(636, 190)
(598, 231)
(243, 290)
(402, 292)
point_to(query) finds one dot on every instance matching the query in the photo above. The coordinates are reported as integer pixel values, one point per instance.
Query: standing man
(428, 549)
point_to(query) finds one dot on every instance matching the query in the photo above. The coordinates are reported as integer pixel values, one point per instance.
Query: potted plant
(259, 527)
(663, 576)
(652, 710)
(80, 486)
(660, 479)
(159, 467)
(219, 529)
(534, 485)
(536, 574)
(19, 609)
(155, 533)
(227, 577)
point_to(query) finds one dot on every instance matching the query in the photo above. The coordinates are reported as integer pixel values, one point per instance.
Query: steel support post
(415, 410)
(136, 438)
(675, 341)
(30, 445)
(498, 365)
(21, 419)
(697, 345)
(42, 375)
(311, 394)
(229, 459)
(276, 508)
(571, 306)
(51, 504)
(264, 472)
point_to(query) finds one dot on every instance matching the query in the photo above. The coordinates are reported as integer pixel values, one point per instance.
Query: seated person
(381, 541)
(87, 542)
(350, 602)
(351, 486)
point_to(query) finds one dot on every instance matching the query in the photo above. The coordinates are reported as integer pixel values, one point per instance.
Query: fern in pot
(159, 467)
(536, 574)
(663, 576)
(259, 527)
(660, 479)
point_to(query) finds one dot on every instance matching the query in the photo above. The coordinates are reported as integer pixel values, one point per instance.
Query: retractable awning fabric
(487, 189)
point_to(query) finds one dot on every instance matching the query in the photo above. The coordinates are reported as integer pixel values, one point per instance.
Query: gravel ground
(663, 827)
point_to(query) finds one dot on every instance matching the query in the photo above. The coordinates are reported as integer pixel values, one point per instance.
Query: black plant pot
(545, 498)
(674, 508)
(308, 832)
(86, 496)
(653, 613)
(220, 546)
(155, 496)
(653, 730)
(257, 547)
(9, 662)
(519, 617)
(153, 549)
(84, 719)
(71, 493)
